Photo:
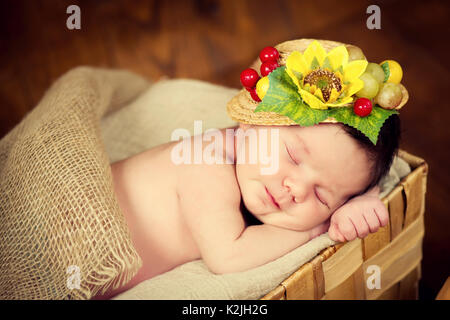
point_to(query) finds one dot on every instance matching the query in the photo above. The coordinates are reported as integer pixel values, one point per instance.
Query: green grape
(355, 53)
(370, 88)
(376, 71)
(390, 95)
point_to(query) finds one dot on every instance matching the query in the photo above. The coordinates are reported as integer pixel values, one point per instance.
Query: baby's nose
(297, 190)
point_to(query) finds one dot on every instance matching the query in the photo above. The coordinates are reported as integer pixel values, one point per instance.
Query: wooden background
(214, 40)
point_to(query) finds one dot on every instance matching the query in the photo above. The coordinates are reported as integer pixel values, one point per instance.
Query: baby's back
(145, 186)
(154, 194)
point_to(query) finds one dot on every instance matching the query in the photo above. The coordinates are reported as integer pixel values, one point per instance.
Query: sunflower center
(325, 80)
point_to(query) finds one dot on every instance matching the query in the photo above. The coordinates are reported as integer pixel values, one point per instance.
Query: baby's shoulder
(209, 182)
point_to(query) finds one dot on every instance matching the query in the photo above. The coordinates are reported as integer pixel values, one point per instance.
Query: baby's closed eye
(291, 154)
(321, 198)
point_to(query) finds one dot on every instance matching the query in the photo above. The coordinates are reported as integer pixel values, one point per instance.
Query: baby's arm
(260, 244)
(358, 217)
(226, 245)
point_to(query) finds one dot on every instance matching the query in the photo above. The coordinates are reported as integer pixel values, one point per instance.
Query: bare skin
(180, 213)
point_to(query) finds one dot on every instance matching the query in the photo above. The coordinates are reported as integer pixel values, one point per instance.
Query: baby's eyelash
(320, 200)
(290, 155)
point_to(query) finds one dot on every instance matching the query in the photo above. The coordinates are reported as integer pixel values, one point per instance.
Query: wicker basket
(341, 271)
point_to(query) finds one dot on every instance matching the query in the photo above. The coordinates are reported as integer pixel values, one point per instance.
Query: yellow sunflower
(325, 79)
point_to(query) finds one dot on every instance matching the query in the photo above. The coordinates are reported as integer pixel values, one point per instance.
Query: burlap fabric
(57, 206)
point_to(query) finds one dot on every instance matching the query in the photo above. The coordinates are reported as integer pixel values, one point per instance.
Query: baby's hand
(357, 218)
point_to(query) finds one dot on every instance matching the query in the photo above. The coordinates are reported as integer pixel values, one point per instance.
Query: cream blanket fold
(62, 233)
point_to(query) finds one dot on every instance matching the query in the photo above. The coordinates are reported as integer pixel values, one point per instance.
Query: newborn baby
(326, 181)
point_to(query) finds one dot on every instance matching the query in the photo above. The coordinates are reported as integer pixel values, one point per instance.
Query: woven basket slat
(279, 293)
(409, 286)
(412, 160)
(413, 188)
(397, 259)
(344, 291)
(305, 277)
(396, 211)
(390, 294)
(342, 264)
(376, 241)
(351, 288)
(359, 284)
(319, 280)
(328, 252)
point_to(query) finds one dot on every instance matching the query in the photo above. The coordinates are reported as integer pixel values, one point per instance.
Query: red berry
(362, 107)
(253, 94)
(267, 67)
(249, 78)
(269, 54)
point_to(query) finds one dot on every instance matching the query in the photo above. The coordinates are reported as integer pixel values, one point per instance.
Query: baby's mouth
(272, 199)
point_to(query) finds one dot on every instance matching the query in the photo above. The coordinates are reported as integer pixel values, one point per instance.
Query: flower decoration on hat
(325, 79)
(316, 86)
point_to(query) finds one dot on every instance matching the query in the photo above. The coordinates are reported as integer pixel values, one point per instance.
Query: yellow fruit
(262, 86)
(395, 71)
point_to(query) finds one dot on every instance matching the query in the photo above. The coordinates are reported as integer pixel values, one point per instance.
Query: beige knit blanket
(59, 219)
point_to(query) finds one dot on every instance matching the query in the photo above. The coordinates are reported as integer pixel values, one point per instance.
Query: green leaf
(387, 71)
(370, 125)
(282, 97)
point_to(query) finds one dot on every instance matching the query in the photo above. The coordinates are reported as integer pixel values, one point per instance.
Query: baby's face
(320, 167)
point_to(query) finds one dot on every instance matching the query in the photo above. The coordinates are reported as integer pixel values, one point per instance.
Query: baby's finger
(372, 220)
(347, 229)
(332, 232)
(339, 236)
(361, 226)
(382, 214)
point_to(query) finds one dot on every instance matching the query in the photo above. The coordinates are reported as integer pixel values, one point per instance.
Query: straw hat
(240, 108)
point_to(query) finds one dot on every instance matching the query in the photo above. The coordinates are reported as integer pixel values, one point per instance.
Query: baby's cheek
(317, 215)
(251, 195)
(325, 214)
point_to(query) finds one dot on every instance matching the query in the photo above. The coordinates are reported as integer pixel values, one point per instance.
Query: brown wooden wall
(213, 40)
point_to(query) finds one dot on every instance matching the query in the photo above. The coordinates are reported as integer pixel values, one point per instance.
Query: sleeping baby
(231, 211)
(235, 218)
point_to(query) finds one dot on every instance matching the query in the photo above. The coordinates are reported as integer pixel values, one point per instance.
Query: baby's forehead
(324, 136)
(328, 147)
(323, 132)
